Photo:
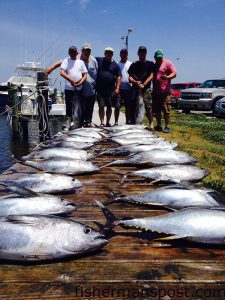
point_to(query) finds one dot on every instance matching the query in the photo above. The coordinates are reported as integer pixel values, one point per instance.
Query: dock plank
(131, 260)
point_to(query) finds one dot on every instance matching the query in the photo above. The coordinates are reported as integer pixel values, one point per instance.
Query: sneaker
(101, 125)
(158, 128)
(167, 129)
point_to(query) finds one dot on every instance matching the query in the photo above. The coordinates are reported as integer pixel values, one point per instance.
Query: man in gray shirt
(88, 89)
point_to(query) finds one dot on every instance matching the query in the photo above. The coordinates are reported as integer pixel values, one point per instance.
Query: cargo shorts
(161, 102)
(108, 98)
(147, 98)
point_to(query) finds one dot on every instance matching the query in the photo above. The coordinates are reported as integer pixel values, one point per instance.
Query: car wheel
(214, 107)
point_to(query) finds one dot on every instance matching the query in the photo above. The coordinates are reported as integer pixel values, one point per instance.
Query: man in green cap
(164, 72)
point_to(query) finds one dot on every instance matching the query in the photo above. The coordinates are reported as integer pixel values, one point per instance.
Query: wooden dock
(131, 266)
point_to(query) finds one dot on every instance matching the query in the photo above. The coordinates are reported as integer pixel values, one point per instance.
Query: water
(10, 146)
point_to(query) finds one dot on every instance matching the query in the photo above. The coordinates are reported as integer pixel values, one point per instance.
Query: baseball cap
(109, 49)
(142, 48)
(72, 49)
(158, 53)
(86, 46)
(124, 50)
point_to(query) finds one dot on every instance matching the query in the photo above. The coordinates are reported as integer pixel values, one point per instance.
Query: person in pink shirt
(164, 72)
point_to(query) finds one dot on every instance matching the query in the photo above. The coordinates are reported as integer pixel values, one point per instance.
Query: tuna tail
(6, 183)
(17, 160)
(39, 146)
(104, 135)
(113, 197)
(100, 152)
(111, 219)
(109, 164)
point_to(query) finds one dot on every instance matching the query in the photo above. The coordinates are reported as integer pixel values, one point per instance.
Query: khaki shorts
(161, 103)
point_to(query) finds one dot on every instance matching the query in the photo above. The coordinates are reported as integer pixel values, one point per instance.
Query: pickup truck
(204, 97)
(176, 90)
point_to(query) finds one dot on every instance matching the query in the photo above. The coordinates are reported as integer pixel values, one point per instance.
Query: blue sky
(190, 32)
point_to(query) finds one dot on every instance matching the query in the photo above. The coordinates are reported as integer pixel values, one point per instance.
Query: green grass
(212, 129)
(204, 139)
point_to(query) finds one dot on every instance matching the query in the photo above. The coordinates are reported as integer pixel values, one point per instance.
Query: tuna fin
(179, 186)
(100, 152)
(36, 221)
(111, 219)
(132, 154)
(155, 181)
(171, 237)
(186, 184)
(220, 207)
(22, 191)
(109, 164)
(35, 256)
(122, 180)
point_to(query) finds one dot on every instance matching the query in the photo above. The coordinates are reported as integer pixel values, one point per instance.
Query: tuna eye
(87, 230)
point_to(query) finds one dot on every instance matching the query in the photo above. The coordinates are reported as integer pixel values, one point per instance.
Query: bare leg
(101, 114)
(116, 113)
(150, 117)
(166, 110)
(108, 114)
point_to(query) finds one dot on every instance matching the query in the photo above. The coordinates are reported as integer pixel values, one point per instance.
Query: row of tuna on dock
(29, 229)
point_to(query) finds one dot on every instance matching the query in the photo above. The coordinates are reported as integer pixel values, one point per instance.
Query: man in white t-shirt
(125, 84)
(75, 72)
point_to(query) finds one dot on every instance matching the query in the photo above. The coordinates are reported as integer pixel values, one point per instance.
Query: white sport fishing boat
(26, 79)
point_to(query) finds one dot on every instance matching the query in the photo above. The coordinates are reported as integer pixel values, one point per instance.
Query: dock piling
(43, 111)
(14, 103)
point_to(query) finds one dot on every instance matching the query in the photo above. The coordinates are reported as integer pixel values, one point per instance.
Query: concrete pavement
(96, 120)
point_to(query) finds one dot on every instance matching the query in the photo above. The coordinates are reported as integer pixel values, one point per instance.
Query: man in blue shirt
(107, 85)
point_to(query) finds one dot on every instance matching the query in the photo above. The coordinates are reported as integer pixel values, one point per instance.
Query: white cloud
(83, 3)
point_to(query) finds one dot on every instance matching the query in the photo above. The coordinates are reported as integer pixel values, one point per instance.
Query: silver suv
(204, 97)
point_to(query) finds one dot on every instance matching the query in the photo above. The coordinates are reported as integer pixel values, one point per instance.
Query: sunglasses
(73, 52)
(109, 52)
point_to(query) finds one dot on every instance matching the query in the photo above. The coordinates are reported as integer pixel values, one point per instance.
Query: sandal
(101, 125)
(108, 125)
